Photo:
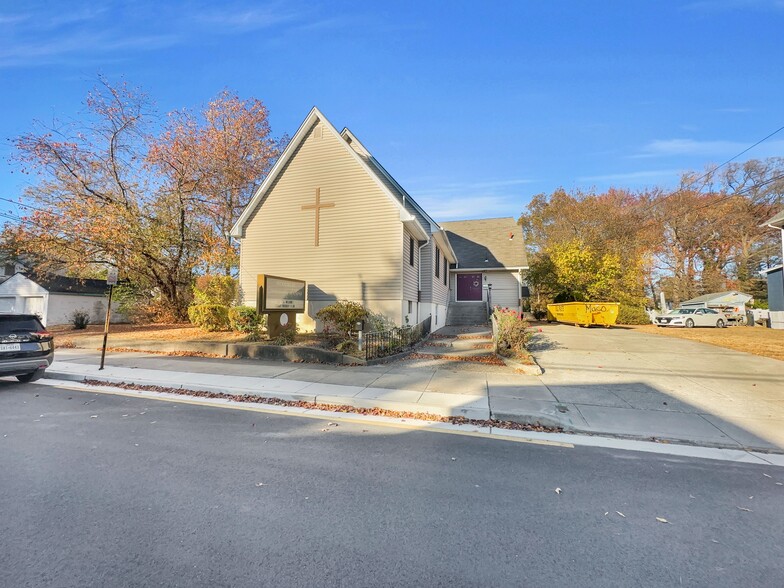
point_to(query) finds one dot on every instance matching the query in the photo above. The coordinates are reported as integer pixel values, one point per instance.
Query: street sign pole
(111, 279)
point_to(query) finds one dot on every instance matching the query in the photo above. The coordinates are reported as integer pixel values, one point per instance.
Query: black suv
(26, 348)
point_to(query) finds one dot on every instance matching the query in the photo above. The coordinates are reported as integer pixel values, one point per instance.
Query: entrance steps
(466, 313)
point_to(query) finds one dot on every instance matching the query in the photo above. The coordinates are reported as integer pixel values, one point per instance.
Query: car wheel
(720, 324)
(31, 377)
(689, 323)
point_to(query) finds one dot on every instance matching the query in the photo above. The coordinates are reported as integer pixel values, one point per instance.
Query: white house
(330, 214)
(54, 298)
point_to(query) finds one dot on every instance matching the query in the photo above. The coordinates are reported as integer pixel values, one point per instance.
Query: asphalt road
(101, 490)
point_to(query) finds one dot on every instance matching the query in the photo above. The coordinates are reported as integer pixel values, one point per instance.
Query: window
(410, 251)
(410, 307)
(445, 270)
(438, 262)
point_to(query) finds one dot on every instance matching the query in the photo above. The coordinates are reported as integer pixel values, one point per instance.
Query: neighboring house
(775, 277)
(731, 302)
(330, 214)
(54, 298)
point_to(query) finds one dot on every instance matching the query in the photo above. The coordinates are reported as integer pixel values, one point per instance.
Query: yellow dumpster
(584, 314)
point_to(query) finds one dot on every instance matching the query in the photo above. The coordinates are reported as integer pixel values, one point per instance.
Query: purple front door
(469, 286)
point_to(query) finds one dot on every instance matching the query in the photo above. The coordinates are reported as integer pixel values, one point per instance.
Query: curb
(526, 368)
(469, 412)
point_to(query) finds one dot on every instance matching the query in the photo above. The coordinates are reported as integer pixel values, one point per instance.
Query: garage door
(34, 305)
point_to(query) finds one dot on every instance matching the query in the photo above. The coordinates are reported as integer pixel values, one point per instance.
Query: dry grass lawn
(756, 340)
(176, 332)
(65, 335)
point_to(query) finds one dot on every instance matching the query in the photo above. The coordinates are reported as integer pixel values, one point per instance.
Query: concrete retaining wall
(243, 350)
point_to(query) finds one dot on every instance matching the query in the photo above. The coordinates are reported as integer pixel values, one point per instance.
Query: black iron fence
(384, 343)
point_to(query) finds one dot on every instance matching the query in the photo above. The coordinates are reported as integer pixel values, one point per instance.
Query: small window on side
(438, 262)
(410, 307)
(411, 251)
(445, 270)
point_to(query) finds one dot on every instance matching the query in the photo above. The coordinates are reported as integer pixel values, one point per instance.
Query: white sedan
(692, 317)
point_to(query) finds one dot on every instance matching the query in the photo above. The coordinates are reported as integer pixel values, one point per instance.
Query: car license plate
(10, 347)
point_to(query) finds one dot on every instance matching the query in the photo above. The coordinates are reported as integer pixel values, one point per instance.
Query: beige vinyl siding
(506, 288)
(440, 292)
(410, 278)
(358, 257)
(433, 288)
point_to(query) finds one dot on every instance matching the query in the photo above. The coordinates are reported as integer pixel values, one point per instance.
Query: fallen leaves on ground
(341, 408)
(620, 513)
(485, 359)
(662, 520)
(744, 509)
(558, 490)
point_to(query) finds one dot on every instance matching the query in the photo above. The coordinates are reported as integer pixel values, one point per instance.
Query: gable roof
(404, 197)
(777, 221)
(66, 285)
(489, 243)
(728, 297)
(406, 216)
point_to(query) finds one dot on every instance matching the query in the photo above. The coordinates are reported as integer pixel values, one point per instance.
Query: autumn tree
(217, 157)
(110, 191)
(588, 246)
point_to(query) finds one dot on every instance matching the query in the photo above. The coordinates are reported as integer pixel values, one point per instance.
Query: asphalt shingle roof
(66, 285)
(497, 240)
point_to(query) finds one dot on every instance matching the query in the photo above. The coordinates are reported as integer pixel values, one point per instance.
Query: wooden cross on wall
(317, 207)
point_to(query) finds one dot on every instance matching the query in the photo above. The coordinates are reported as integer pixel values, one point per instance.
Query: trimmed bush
(512, 334)
(245, 319)
(80, 319)
(342, 316)
(287, 336)
(220, 290)
(210, 317)
(632, 315)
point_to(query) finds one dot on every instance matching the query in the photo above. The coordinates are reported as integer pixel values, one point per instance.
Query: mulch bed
(342, 408)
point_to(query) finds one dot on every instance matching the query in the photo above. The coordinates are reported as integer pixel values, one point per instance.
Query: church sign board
(281, 299)
(276, 294)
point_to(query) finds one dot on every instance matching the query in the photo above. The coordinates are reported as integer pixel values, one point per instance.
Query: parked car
(692, 317)
(26, 348)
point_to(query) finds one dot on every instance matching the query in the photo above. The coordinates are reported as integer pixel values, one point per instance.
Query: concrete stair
(466, 313)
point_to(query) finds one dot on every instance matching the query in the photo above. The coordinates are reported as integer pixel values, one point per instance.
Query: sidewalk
(437, 387)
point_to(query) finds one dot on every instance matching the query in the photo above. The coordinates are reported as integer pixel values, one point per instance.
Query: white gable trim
(347, 133)
(20, 282)
(313, 116)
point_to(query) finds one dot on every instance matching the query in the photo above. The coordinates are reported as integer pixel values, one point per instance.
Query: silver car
(692, 317)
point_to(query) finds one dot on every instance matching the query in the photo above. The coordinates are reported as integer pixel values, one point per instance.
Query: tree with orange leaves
(109, 191)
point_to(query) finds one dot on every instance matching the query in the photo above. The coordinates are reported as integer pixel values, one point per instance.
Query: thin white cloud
(468, 207)
(691, 147)
(636, 176)
(230, 21)
(92, 35)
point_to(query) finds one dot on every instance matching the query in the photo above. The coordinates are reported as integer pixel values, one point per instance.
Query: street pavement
(615, 382)
(102, 490)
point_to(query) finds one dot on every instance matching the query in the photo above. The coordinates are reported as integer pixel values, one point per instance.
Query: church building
(329, 214)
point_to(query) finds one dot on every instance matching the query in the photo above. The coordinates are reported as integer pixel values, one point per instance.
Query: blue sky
(473, 106)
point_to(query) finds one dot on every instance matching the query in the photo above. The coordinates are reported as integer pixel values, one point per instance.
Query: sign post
(111, 280)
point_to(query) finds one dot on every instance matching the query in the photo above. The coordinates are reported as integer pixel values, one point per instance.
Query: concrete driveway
(619, 380)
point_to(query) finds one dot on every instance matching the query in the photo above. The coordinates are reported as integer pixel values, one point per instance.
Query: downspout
(419, 279)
